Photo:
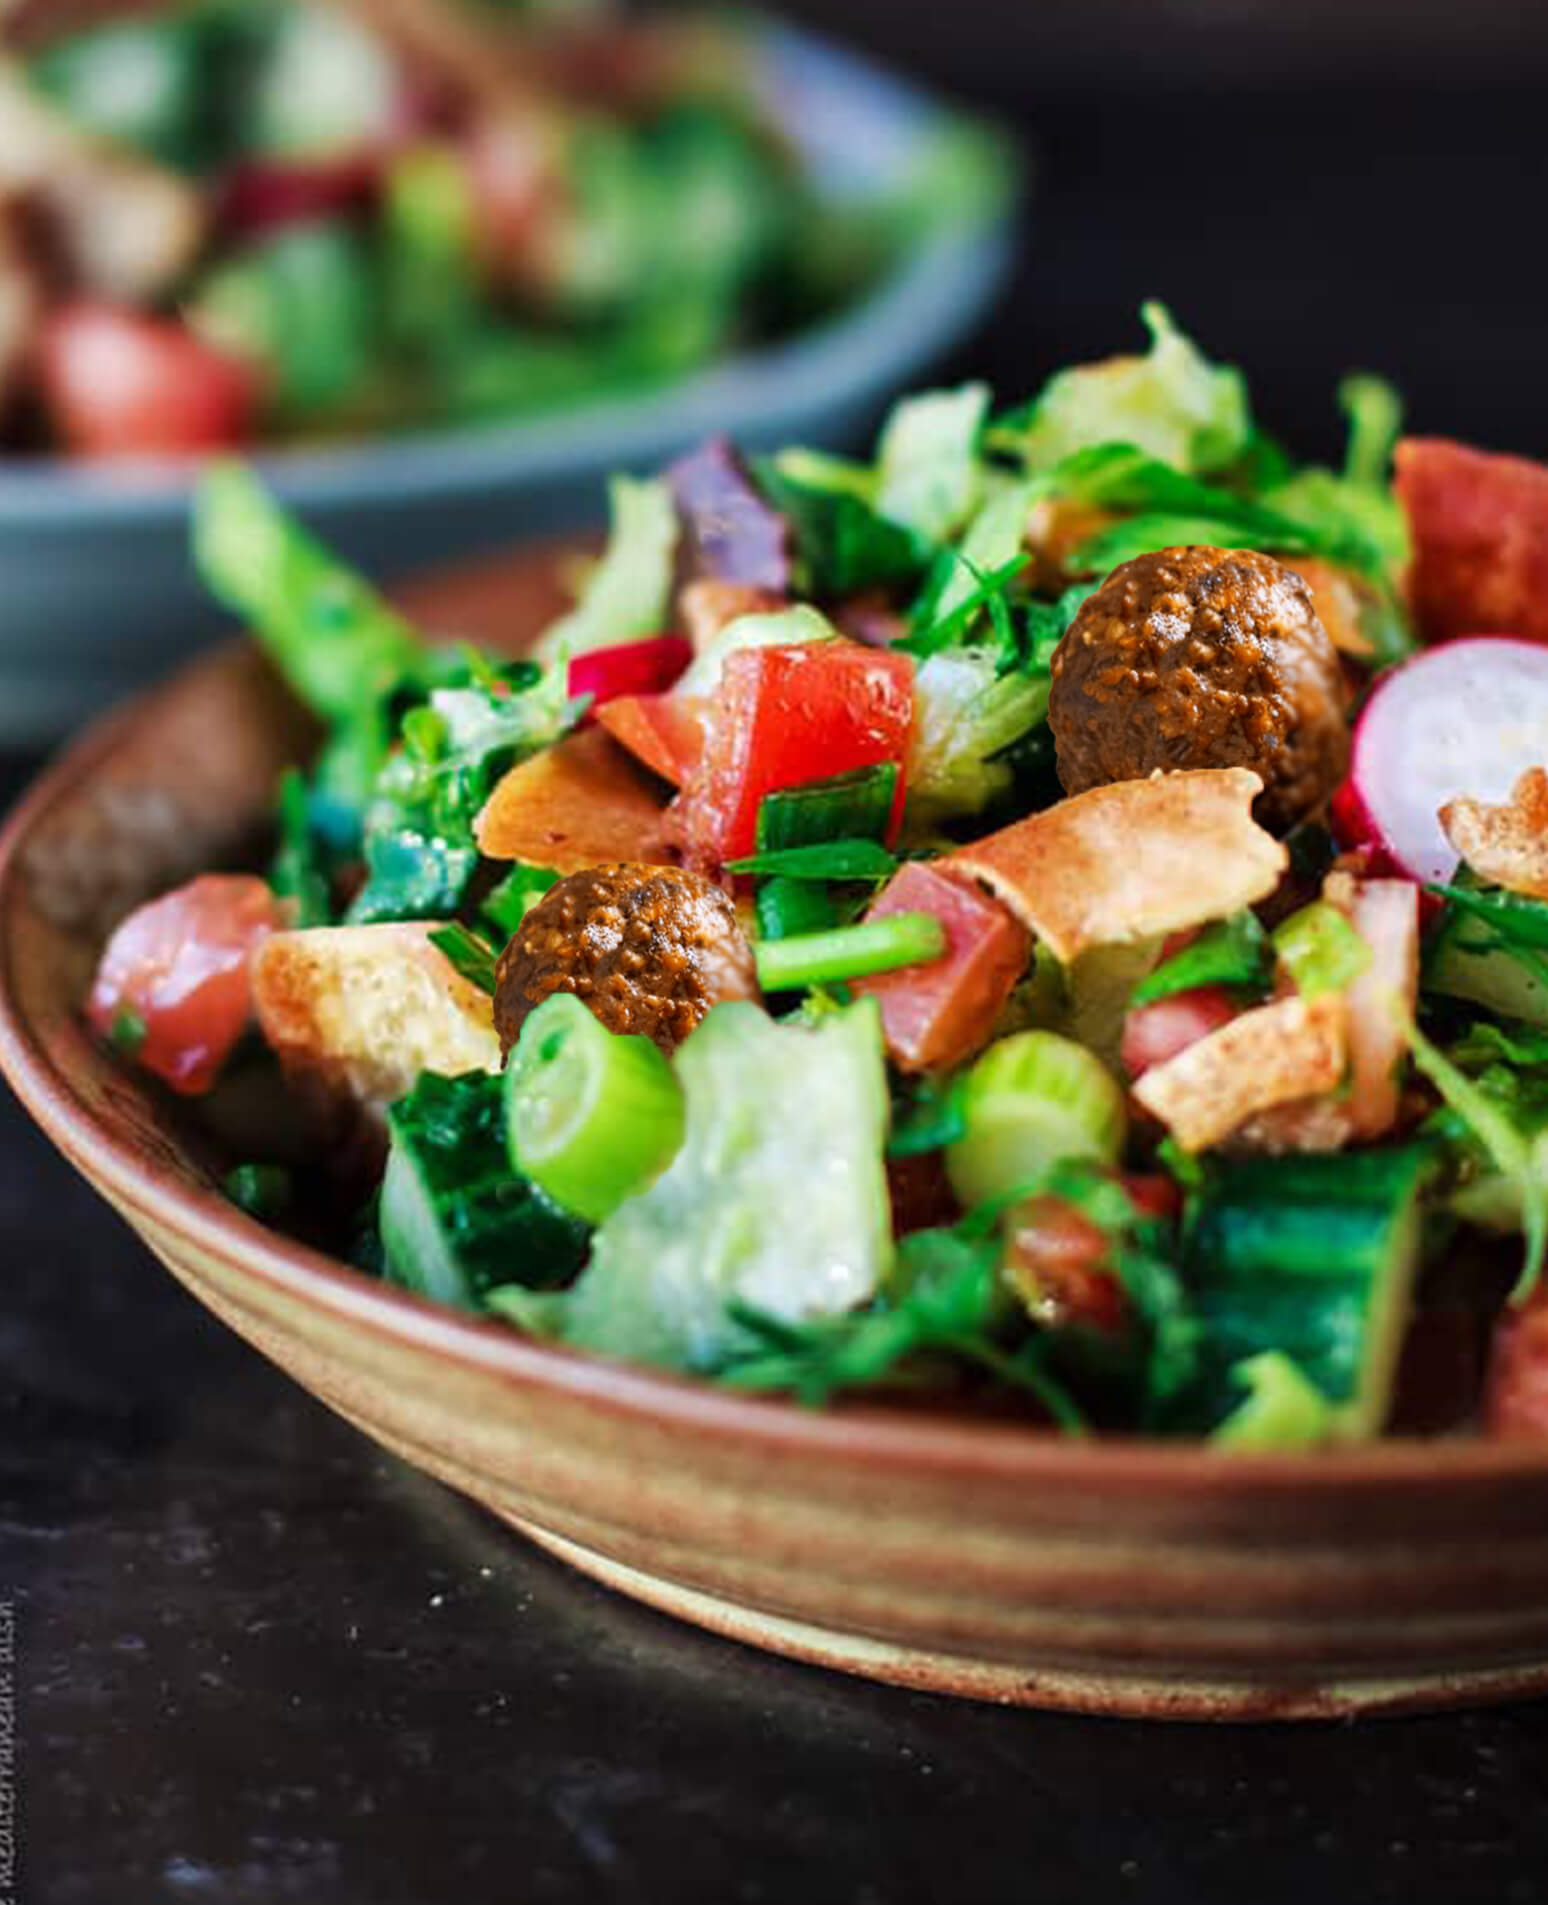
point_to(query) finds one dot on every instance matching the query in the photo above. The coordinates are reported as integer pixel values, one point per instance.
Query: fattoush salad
(232, 221)
(1050, 921)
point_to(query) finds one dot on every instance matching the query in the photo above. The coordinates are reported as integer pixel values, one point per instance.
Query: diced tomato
(173, 986)
(116, 383)
(629, 668)
(1153, 1194)
(665, 732)
(940, 1014)
(1154, 1033)
(783, 716)
(1057, 1258)
(1479, 525)
(265, 193)
(1057, 1262)
(1516, 1399)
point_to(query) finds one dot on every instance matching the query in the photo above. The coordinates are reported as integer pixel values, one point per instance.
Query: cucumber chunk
(1314, 1258)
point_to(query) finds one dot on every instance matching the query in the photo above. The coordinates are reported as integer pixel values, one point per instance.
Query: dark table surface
(261, 1661)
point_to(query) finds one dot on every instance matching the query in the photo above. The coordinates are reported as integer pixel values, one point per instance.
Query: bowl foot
(1114, 1693)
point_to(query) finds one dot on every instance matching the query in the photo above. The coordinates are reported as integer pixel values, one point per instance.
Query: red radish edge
(1465, 717)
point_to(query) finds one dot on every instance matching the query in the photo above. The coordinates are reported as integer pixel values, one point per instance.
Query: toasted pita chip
(579, 804)
(1273, 1055)
(1508, 845)
(361, 1011)
(1132, 859)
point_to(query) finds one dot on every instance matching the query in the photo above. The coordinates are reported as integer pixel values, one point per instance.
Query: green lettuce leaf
(1171, 403)
(777, 1200)
(627, 594)
(929, 476)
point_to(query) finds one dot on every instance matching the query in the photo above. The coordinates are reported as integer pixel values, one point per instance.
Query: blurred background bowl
(98, 591)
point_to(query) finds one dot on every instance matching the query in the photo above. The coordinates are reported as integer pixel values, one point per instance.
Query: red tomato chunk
(176, 973)
(1154, 1033)
(783, 716)
(119, 384)
(940, 1014)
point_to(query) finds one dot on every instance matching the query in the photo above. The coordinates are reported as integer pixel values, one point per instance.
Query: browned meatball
(1202, 658)
(649, 948)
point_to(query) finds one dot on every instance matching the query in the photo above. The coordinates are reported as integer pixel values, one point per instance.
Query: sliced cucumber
(456, 1220)
(1314, 1258)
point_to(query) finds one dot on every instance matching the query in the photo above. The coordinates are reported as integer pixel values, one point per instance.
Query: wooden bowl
(977, 1559)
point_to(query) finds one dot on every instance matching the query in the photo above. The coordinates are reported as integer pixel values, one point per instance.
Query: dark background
(260, 1661)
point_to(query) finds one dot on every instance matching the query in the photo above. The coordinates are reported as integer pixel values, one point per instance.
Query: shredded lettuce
(338, 643)
(418, 841)
(966, 714)
(1171, 403)
(627, 594)
(843, 543)
(776, 1201)
(1520, 1158)
(929, 476)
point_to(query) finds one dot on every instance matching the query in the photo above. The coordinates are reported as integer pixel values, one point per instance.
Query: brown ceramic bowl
(980, 1559)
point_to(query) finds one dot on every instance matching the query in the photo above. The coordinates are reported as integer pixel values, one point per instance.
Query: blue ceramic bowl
(97, 591)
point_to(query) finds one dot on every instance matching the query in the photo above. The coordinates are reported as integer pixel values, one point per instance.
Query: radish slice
(1463, 718)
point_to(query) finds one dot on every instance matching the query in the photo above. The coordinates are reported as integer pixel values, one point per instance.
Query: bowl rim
(882, 1438)
(938, 285)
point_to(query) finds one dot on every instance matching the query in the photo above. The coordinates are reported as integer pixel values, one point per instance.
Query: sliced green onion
(788, 907)
(1233, 952)
(1032, 1101)
(821, 860)
(591, 1116)
(852, 806)
(471, 956)
(850, 952)
(1320, 950)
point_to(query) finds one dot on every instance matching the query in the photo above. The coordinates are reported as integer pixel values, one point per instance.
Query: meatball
(1202, 658)
(649, 948)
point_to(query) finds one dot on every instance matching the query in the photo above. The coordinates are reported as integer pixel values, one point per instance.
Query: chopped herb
(1234, 952)
(927, 1115)
(930, 633)
(949, 1302)
(823, 860)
